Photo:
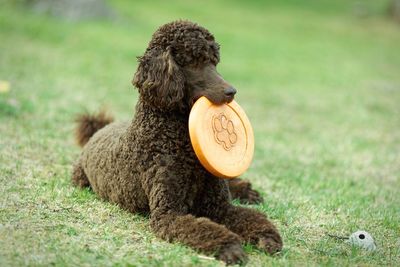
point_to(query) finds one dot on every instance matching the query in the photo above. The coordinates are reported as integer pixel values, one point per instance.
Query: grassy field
(320, 82)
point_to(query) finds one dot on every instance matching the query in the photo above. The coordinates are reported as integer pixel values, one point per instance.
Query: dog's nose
(230, 91)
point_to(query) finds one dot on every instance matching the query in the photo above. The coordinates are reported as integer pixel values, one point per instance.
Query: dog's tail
(89, 124)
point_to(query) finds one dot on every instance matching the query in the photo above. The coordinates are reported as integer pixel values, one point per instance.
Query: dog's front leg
(199, 233)
(253, 227)
(169, 198)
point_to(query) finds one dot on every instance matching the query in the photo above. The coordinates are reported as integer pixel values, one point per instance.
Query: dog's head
(179, 66)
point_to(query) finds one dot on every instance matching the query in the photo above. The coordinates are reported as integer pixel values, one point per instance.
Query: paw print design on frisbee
(222, 137)
(224, 131)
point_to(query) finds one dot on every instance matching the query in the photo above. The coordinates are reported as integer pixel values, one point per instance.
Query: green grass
(320, 85)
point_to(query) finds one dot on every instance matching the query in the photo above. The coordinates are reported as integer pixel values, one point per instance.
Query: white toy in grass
(362, 239)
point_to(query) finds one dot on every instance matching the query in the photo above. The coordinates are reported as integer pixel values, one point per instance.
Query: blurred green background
(319, 80)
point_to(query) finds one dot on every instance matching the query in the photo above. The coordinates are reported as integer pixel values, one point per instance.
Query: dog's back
(107, 163)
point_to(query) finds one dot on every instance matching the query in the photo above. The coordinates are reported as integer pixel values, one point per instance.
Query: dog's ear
(160, 80)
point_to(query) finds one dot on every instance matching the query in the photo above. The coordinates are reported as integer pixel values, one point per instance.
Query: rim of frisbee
(198, 109)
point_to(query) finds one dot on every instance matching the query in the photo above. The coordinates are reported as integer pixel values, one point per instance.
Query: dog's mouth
(196, 98)
(229, 99)
(215, 100)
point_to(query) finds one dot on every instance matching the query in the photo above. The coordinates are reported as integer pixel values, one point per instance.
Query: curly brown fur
(89, 124)
(148, 165)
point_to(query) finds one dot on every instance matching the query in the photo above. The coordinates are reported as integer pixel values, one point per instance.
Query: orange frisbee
(222, 137)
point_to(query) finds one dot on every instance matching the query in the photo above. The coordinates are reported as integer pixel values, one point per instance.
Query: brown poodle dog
(148, 166)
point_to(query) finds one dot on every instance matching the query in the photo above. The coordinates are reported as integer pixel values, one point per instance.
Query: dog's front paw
(232, 254)
(242, 190)
(271, 244)
(251, 196)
